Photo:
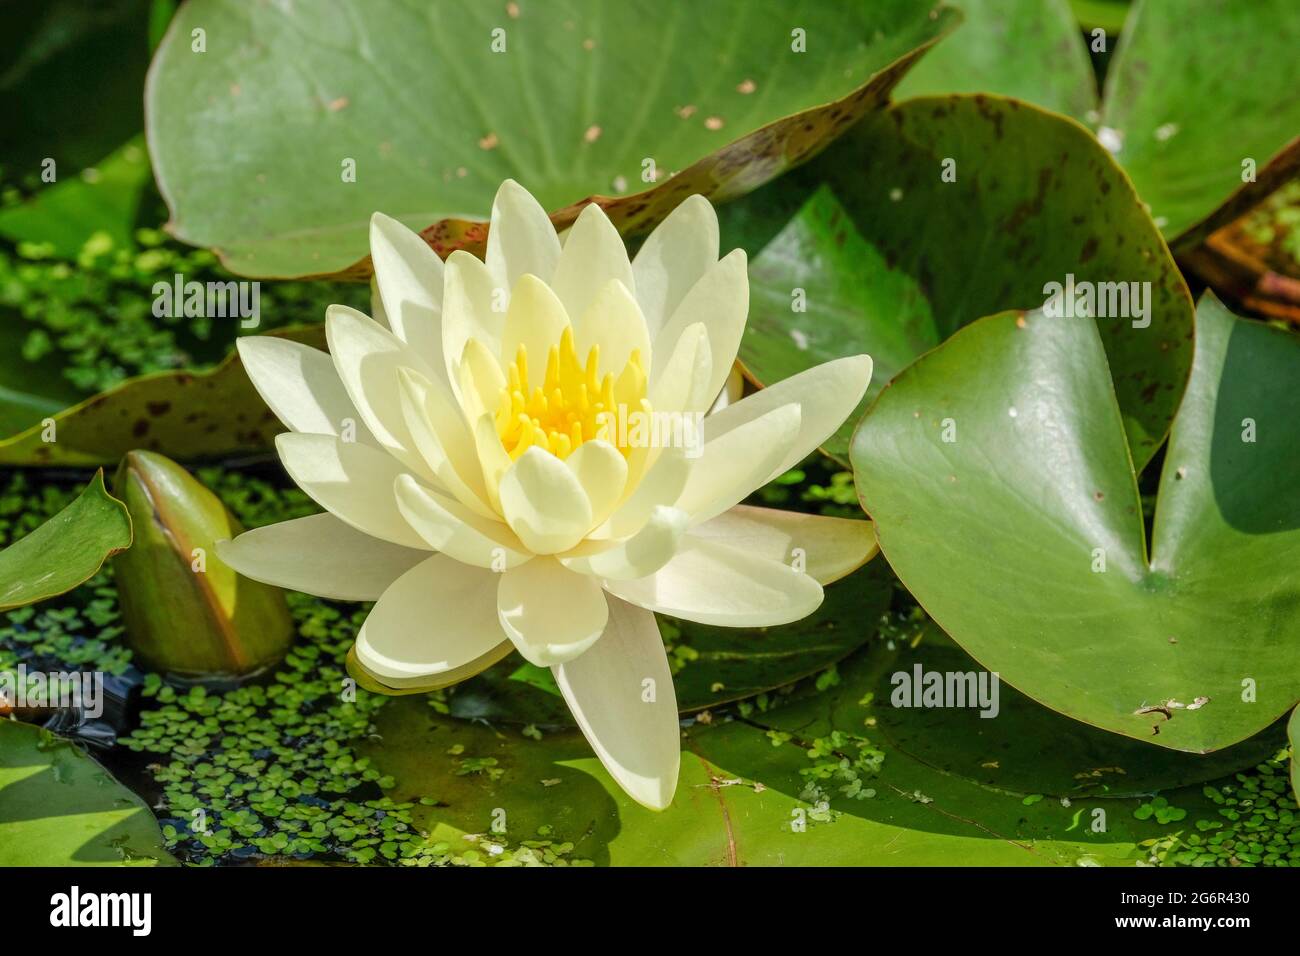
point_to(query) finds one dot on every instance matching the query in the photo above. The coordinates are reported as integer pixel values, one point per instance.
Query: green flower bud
(187, 614)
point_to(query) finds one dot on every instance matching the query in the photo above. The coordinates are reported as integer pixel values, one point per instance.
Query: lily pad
(634, 105)
(103, 199)
(744, 796)
(184, 415)
(30, 391)
(1196, 89)
(712, 665)
(898, 259)
(65, 551)
(998, 475)
(1028, 49)
(58, 807)
(1023, 746)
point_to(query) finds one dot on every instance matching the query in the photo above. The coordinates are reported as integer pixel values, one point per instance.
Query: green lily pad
(68, 549)
(1023, 746)
(1028, 49)
(1195, 89)
(58, 807)
(30, 391)
(711, 665)
(749, 794)
(897, 259)
(69, 212)
(635, 105)
(182, 414)
(1022, 534)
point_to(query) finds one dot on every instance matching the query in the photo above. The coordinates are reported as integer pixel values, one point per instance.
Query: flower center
(571, 405)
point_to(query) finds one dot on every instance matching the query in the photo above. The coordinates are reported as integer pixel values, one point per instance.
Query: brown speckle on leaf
(489, 141)
(714, 123)
(746, 86)
(339, 104)
(592, 134)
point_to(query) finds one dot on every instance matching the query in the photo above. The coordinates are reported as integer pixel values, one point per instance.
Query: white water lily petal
(302, 387)
(535, 320)
(826, 394)
(673, 258)
(410, 277)
(829, 548)
(593, 254)
(481, 381)
(551, 614)
(443, 678)
(683, 382)
(629, 558)
(521, 239)
(721, 301)
(662, 484)
(438, 616)
(637, 739)
(602, 472)
(349, 481)
(612, 321)
(368, 357)
(544, 503)
(377, 304)
(711, 583)
(469, 309)
(738, 462)
(448, 526)
(319, 555)
(493, 459)
(421, 400)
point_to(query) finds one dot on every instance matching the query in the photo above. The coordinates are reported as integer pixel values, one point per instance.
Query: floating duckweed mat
(279, 772)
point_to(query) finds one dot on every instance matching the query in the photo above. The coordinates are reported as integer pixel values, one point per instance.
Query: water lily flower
(471, 449)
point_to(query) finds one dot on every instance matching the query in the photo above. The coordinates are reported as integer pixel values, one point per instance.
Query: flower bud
(188, 615)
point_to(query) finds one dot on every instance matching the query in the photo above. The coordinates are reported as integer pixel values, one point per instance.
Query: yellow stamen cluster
(572, 405)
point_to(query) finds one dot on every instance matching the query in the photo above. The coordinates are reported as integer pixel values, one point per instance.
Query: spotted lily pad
(1200, 106)
(1004, 496)
(58, 807)
(181, 414)
(897, 259)
(421, 112)
(65, 551)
